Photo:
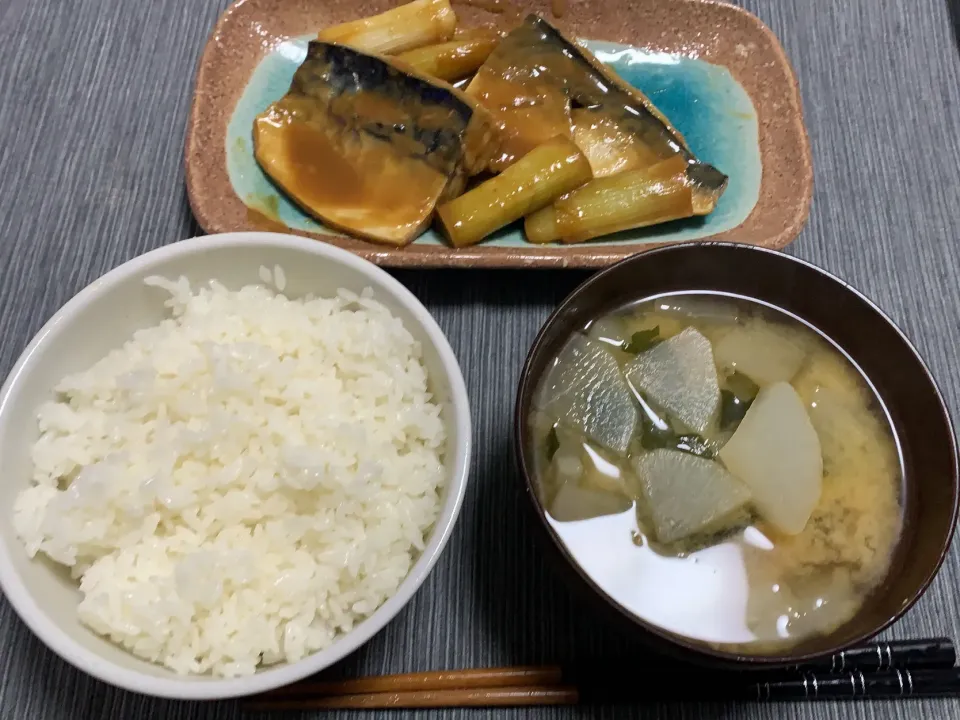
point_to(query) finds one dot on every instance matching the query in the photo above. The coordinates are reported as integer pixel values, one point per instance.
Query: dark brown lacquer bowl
(902, 381)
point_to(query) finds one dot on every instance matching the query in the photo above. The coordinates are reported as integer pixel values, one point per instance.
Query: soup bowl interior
(102, 317)
(886, 358)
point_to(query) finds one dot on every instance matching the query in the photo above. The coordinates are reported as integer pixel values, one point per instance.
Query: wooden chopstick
(480, 678)
(478, 697)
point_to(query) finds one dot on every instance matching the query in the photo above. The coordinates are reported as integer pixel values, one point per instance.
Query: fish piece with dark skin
(537, 81)
(368, 147)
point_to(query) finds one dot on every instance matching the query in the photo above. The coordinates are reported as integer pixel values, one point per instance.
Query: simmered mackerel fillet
(538, 84)
(367, 147)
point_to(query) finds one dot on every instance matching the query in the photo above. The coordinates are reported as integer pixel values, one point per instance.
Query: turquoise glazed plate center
(703, 101)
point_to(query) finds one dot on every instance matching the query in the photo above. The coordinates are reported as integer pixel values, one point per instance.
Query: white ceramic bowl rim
(208, 687)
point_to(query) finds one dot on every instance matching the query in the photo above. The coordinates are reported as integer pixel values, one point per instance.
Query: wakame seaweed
(643, 340)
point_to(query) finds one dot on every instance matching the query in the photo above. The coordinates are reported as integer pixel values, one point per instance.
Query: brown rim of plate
(711, 30)
(921, 571)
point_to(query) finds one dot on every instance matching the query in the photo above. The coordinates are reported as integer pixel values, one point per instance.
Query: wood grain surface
(94, 97)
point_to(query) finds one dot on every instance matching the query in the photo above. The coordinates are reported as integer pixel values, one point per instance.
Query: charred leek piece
(410, 26)
(540, 177)
(451, 60)
(541, 227)
(632, 199)
(473, 33)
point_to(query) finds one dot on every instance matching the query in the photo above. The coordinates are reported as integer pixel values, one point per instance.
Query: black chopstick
(922, 654)
(886, 684)
(904, 668)
(895, 669)
(856, 685)
(925, 653)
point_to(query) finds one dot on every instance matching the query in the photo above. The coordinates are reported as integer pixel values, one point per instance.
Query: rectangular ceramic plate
(714, 69)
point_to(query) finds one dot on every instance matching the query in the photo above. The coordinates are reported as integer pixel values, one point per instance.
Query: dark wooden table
(94, 97)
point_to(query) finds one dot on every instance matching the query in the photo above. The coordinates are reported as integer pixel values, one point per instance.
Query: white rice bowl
(240, 485)
(246, 480)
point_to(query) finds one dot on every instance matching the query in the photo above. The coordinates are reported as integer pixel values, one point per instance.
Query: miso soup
(719, 469)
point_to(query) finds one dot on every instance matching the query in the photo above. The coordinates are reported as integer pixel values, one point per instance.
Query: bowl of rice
(227, 464)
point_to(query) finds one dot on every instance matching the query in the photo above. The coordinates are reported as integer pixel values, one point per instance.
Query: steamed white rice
(243, 482)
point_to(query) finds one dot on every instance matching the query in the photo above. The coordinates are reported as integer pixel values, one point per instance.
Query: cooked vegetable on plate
(372, 140)
(407, 27)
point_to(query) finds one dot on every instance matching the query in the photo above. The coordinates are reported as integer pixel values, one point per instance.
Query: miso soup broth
(719, 469)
